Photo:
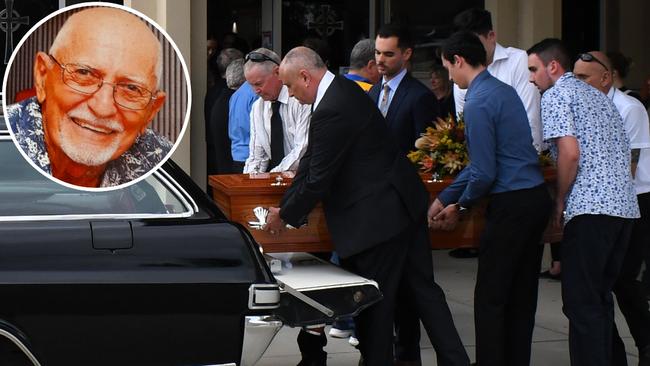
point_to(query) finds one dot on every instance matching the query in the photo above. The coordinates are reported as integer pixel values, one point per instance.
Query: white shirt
(295, 123)
(510, 65)
(325, 82)
(393, 84)
(637, 126)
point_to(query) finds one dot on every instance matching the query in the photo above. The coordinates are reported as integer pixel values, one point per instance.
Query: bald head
(115, 32)
(594, 68)
(301, 71)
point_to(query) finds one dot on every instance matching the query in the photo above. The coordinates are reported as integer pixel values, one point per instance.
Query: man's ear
(606, 78)
(305, 76)
(408, 53)
(155, 107)
(41, 67)
(491, 36)
(458, 61)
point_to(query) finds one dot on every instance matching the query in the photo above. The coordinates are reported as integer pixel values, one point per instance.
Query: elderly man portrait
(363, 67)
(96, 94)
(279, 123)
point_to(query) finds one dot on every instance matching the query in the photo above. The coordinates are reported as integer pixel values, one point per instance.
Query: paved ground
(457, 276)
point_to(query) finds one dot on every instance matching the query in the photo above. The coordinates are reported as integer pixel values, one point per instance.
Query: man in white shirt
(509, 65)
(595, 69)
(279, 123)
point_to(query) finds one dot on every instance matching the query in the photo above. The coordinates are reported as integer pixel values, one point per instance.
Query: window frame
(164, 178)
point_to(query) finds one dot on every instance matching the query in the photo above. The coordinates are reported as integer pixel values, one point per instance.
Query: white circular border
(178, 54)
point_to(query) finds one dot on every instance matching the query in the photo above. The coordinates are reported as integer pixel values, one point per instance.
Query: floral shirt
(603, 185)
(147, 151)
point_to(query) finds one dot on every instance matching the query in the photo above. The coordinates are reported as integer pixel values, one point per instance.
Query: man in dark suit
(408, 105)
(374, 204)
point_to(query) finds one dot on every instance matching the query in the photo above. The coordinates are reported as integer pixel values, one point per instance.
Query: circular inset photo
(96, 96)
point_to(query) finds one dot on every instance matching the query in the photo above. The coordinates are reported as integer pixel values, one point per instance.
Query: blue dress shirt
(239, 122)
(499, 143)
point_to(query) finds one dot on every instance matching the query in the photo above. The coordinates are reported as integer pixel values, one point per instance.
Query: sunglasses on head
(588, 57)
(259, 57)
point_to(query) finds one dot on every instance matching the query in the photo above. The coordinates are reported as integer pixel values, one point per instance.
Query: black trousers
(238, 167)
(593, 249)
(407, 257)
(505, 296)
(629, 292)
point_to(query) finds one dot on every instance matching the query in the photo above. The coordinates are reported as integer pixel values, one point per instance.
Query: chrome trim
(179, 190)
(166, 180)
(20, 346)
(259, 331)
(268, 292)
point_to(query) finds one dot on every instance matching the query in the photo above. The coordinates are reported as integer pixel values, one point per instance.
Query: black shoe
(464, 253)
(550, 276)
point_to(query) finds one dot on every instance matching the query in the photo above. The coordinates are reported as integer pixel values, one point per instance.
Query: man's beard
(84, 153)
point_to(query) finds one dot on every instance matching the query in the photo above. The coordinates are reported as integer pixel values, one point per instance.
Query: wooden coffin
(237, 195)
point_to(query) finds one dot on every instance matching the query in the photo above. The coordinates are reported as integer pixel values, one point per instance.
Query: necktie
(277, 136)
(383, 106)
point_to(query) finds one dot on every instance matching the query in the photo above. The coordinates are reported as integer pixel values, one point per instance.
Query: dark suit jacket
(219, 156)
(369, 190)
(411, 110)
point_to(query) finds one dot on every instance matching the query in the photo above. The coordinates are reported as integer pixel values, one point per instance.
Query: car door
(138, 276)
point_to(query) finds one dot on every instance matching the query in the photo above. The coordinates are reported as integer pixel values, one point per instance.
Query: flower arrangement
(442, 150)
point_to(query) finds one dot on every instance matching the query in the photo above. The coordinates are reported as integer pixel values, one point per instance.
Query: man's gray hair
(267, 65)
(305, 58)
(235, 74)
(362, 53)
(226, 56)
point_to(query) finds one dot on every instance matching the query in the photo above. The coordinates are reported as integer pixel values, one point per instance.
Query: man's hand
(274, 223)
(447, 219)
(434, 210)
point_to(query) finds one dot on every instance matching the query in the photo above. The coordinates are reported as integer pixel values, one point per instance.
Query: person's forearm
(567, 169)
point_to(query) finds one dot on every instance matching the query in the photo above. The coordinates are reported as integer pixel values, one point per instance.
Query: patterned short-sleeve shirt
(603, 185)
(148, 150)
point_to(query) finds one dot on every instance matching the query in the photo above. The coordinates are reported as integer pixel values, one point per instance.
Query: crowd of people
(345, 137)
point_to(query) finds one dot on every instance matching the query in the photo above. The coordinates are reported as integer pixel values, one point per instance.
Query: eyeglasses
(588, 57)
(85, 80)
(259, 57)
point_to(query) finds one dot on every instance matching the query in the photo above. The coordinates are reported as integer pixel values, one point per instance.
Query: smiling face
(91, 129)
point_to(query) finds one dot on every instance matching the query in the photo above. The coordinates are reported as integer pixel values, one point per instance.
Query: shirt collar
(477, 80)
(499, 53)
(322, 87)
(611, 93)
(394, 82)
(283, 97)
(564, 77)
(356, 77)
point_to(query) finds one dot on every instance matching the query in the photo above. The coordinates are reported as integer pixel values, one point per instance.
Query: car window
(26, 192)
